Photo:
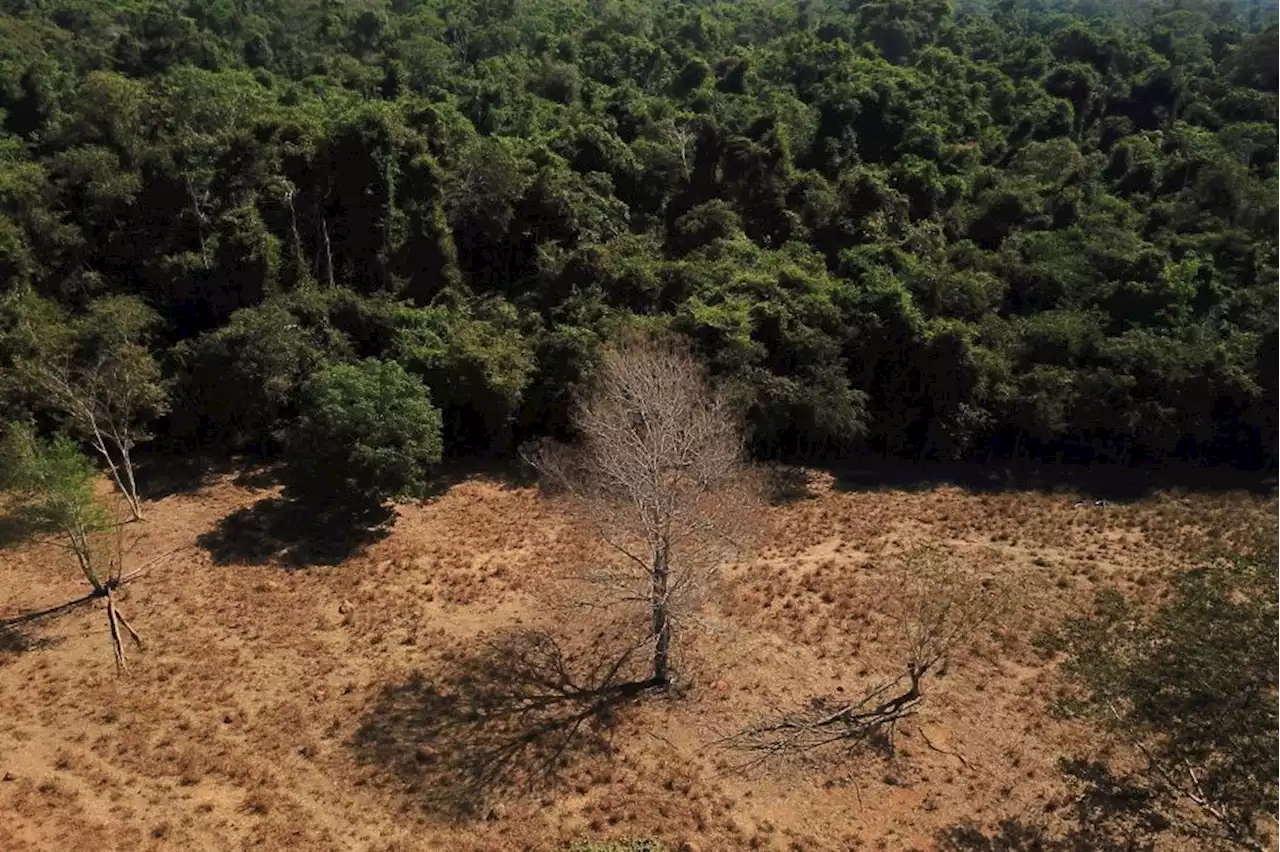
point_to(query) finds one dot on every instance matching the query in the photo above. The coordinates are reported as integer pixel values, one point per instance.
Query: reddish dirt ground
(348, 706)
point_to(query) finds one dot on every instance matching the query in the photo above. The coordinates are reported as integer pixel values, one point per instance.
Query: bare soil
(299, 697)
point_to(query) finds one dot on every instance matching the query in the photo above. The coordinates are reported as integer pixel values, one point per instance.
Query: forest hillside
(996, 229)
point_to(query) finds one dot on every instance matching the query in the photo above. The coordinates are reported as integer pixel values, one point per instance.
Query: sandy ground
(389, 700)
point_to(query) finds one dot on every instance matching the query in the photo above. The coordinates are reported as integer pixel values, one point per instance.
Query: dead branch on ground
(938, 607)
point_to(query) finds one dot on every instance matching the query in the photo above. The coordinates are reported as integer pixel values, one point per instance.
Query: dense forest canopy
(954, 232)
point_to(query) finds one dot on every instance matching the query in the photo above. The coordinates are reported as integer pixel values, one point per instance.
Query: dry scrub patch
(292, 709)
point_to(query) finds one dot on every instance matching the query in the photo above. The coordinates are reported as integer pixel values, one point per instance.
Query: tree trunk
(129, 491)
(661, 626)
(135, 502)
(200, 219)
(328, 250)
(299, 254)
(389, 216)
(84, 554)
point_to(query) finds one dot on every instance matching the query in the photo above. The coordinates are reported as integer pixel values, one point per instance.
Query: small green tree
(366, 433)
(51, 483)
(1192, 687)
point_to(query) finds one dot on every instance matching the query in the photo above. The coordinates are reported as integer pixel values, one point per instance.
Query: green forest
(392, 232)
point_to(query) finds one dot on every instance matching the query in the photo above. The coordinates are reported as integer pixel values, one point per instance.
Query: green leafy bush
(239, 384)
(366, 433)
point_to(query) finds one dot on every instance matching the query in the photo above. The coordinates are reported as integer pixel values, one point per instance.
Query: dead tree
(937, 607)
(658, 475)
(683, 138)
(117, 624)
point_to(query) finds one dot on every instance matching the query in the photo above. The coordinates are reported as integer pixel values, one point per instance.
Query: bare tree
(98, 371)
(937, 607)
(683, 137)
(658, 474)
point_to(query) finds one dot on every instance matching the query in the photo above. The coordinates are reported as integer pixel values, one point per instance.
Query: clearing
(367, 701)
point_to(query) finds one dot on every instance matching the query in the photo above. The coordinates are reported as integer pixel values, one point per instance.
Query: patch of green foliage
(1192, 686)
(239, 384)
(49, 483)
(951, 231)
(366, 433)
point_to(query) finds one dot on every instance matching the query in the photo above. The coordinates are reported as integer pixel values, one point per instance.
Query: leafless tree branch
(105, 399)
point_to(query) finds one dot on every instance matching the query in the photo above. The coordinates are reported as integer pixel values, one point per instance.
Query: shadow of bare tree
(510, 718)
(1110, 813)
(278, 529)
(1014, 835)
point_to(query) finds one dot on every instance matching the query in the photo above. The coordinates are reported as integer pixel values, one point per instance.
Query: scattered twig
(930, 744)
(661, 738)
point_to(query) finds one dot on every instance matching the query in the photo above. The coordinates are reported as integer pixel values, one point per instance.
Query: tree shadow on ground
(1014, 835)
(161, 473)
(1097, 481)
(257, 477)
(15, 640)
(294, 532)
(507, 719)
(506, 472)
(300, 532)
(1110, 813)
(16, 526)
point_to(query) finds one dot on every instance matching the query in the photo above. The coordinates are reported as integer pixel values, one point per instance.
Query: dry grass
(252, 720)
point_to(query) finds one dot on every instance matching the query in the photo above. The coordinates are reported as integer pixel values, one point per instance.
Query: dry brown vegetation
(407, 698)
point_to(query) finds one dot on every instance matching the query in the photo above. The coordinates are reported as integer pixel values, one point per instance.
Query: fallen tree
(938, 607)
